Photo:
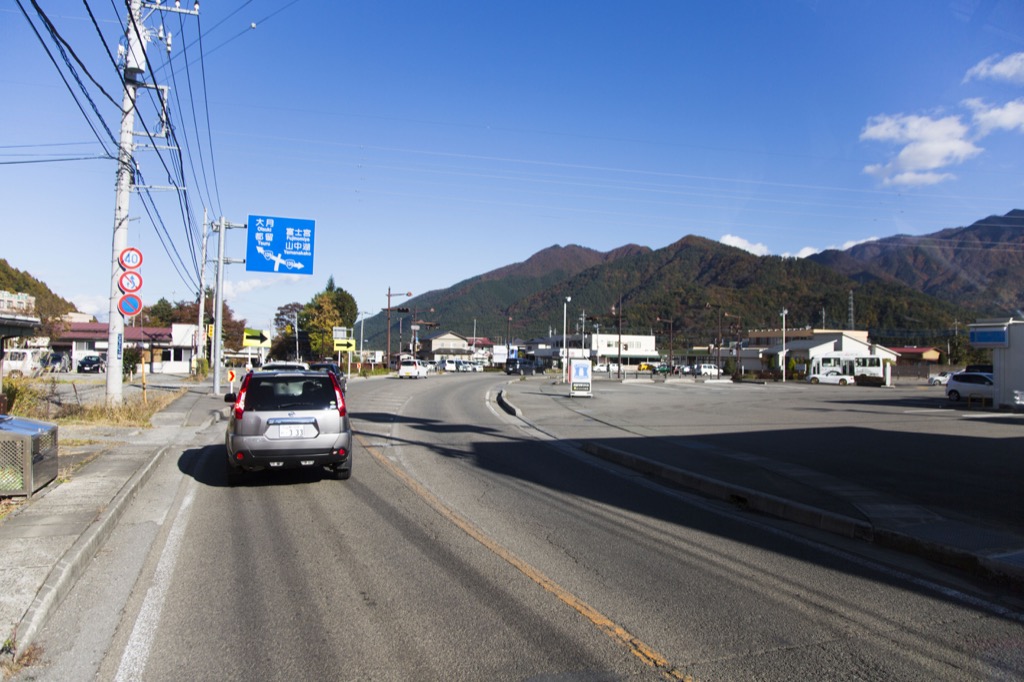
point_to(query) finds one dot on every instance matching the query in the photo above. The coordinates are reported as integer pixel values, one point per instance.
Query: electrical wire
(71, 90)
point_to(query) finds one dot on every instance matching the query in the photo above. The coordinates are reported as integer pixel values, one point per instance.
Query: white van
(707, 370)
(22, 362)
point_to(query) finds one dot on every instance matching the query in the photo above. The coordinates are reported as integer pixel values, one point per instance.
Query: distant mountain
(488, 299)
(695, 289)
(980, 267)
(702, 286)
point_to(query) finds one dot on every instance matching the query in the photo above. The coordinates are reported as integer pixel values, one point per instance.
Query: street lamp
(782, 357)
(739, 342)
(671, 345)
(362, 326)
(618, 369)
(718, 342)
(408, 293)
(565, 311)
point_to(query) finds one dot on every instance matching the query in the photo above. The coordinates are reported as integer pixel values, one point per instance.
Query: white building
(1005, 337)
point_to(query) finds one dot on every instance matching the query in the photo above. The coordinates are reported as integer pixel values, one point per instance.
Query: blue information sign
(280, 245)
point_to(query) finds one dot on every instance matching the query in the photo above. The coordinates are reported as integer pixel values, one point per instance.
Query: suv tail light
(240, 400)
(338, 393)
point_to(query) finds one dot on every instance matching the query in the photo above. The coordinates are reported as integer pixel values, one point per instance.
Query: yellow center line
(603, 623)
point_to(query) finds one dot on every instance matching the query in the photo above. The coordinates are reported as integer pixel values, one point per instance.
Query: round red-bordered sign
(130, 282)
(130, 305)
(130, 258)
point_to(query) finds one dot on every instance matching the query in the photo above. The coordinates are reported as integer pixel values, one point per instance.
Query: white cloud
(1008, 69)
(97, 306)
(988, 118)
(805, 252)
(237, 289)
(928, 144)
(810, 250)
(852, 243)
(741, 243)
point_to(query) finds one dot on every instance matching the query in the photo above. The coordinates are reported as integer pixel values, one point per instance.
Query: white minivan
(707, 370)
(22, 362)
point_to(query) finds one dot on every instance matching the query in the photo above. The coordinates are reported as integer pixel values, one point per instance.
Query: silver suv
(288, 420)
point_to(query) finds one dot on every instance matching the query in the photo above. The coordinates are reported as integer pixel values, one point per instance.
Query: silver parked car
(286, 420)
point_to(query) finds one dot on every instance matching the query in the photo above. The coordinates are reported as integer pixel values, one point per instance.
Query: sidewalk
(47, 543)
(977, 528)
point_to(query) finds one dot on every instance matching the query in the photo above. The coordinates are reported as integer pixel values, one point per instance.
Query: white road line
(136, 653)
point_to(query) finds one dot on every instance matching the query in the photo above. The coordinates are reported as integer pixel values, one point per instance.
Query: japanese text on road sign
(280, 245)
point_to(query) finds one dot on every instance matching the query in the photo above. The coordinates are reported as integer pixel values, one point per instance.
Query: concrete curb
(63, 576)
(988, 567)
(745, 497)
(69, 569)
(504, 404)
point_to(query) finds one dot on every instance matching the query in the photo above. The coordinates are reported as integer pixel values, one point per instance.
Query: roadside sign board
(130, 281)
(580, 378)
(130, 305)
(344, 345)
(340, 332)
(280, 245)
(256, 338)
(130, 258)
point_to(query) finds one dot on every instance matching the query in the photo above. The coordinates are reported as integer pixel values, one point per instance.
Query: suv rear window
(290, 392)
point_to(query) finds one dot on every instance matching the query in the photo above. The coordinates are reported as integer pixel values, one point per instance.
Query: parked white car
(970, 385)
(833, 376)
(412, 369)
(939, 379)
(707, 370)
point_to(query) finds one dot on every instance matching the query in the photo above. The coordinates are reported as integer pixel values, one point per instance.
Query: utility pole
(136, 37)
(218, 306)
(135, 65)
(201, 324)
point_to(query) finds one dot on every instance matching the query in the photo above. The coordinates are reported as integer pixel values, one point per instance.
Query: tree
(346, 306)
(321, 318)
(284, 318)
(160, 314)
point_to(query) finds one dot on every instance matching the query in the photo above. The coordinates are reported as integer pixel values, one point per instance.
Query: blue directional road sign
(280, 245)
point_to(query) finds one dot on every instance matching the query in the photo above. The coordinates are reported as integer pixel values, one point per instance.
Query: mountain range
(905, 290)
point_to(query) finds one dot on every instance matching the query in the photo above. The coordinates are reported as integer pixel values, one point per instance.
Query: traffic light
(401, 310)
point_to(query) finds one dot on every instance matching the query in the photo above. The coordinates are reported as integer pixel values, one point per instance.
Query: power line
(71, 90)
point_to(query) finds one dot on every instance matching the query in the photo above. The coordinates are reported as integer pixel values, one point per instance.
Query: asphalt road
(468, 545)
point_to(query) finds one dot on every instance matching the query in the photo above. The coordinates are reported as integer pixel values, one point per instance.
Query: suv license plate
(290, 431)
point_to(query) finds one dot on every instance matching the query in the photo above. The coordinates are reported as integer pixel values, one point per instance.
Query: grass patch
(133, 412)
(11, 666)
(9, 505)
(35, 400)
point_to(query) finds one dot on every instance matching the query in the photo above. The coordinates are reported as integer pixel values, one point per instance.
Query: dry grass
(11, 666)
(10, 504)
(132, 412)
(37, 401)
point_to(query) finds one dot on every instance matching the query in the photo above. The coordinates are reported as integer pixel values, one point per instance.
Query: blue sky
(432, 142)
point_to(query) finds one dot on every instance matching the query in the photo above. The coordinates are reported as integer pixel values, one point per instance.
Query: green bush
(131, 360)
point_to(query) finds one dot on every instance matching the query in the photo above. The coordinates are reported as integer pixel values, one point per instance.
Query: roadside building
(166, 349)
(446, 345)
(812, 350)
(1005, 338)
